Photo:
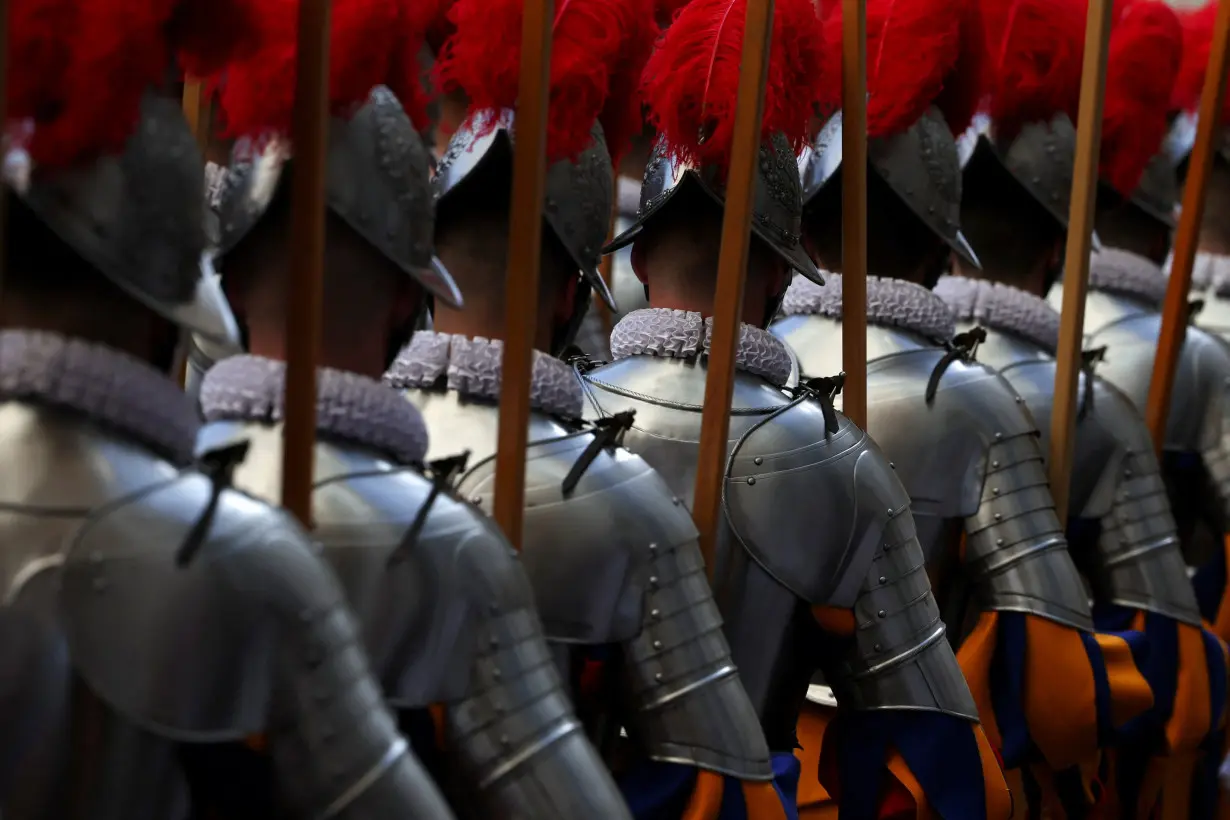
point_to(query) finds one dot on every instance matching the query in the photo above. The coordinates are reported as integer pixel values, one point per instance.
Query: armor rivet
(998, 516)
(995, 491)
(999, 542)
(657, 644)
(881, 614)
(758, 460)
(100, 584)
(495, 640)
(653, 547)
(1127, 473)
(878, 648)
(478, 499)
(653, 580)
(95, 557)
(1019, 399)
(883, 580)
(1037, 180)
(751, 480)
(676, 500)
(657, 676)
(930, 209)
(496, 674)
(890, 513)
(504, 740)
(892, 465)
(999, 436)
(655, 613)
(994, 463)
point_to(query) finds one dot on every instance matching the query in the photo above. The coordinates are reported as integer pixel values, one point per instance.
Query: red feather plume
(1146, 44)
(592, 43)
(919, 53)
(1197, 41)
(371, 43)
(1037, 51)
(665, 10)
(692, 79)
(85, 66)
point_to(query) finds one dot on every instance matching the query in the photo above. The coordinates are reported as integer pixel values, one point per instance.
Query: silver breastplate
(970, 453)
(615, 561)
(447, 619)
(782, 546)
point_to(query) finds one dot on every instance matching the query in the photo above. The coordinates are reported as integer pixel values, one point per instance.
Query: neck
(115, 323)
(1031, 281)
(690, 295)
(360, 351)
(485, 311)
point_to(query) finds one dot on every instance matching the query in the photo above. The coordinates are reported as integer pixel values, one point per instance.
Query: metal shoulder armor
(781, 456)
(1141, 563)
(447, 619)
(216, 601)
(972, 452)
(615, 560)
(1197, 402)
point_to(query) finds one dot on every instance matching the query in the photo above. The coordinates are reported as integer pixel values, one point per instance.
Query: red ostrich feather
(1197, 42)
(692, 79)
(371, 43)
(593, 42)
(1146, 45)
(920, 53)
(1037, 51)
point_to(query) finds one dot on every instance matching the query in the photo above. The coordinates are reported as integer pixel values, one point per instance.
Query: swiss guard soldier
(446, 611)
(1127, 285)
(1014, 208)
(612, 556)
(954, 429)
(819, 566)
(150, 612)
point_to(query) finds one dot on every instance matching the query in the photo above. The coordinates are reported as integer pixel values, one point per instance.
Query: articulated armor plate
(1130, 330)
(1158, 190)
(1116, 480)
(191, 639)
(970, 453)
(920, 164)
(577, 198)
(616, 560)
(377, 170)
(777, 203)
(859, 551)
(137, 219)
(449, 620)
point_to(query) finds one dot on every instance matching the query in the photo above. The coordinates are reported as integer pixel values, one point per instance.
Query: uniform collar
(890, 302)
(472, 367)
(677, 334)
(349, 407)
(107, 386)
(1113, 270)
(1002, 307)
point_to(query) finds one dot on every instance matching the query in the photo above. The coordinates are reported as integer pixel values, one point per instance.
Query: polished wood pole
(524, 250)
(854, 210)
(732, 276)
(1076, 261)
(1187, 235)
(307, 248)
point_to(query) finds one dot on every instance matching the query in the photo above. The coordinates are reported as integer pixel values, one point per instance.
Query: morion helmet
(925, 63)
(377, 167)
(691, 86)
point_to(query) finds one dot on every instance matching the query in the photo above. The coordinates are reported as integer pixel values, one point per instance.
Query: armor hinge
(608, 433)
(1089, 360)
(218, 465)
(825, 390)
(1194, 307)
(963, 347)
(442, 472)
(581, 361)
